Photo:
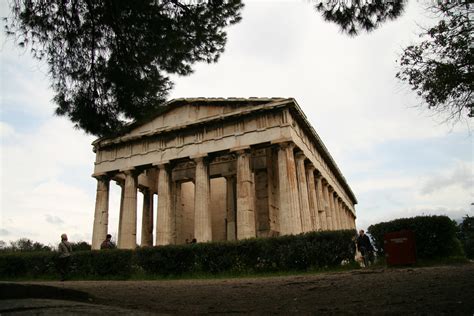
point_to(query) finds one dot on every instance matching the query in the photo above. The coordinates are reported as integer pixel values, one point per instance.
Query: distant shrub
(435, 236)
(466, 236)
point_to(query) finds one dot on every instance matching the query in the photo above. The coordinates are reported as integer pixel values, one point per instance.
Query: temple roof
(241, 106)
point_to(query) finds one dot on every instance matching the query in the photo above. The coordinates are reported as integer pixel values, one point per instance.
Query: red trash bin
(400, 247)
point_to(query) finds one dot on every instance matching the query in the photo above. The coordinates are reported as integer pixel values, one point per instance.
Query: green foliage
(435, 235)
(109, 60)
(80, 246)
(440, 68)
(466, 236)
(278, 254)
(360, 15)
(23, 244)
(286, 253)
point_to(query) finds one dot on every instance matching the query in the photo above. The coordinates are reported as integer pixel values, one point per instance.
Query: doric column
(290, 217)
(340, 217)
(346, 217)
(245, 197)
(231, 208)
(313, 200)
(335, 210)
(202, 211)
(165, 207)
(122, 196)
(127, 238)
(101, 215)
(321, 203)
(147, 218)
(327, 206)
(306, 222)
(178, 218)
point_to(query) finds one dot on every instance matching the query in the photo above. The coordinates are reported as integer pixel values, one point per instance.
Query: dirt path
(433, 290)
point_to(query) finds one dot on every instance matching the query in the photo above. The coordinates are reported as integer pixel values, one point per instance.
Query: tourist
(194, 241)
(107, 243)
(65, 250)
(365, 247)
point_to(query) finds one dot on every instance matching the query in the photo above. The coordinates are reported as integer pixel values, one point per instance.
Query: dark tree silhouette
(109, 60)
(354, 16)
(440, 68)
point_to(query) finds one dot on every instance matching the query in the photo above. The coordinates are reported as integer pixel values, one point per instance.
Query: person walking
(65, 250)
(365, 247)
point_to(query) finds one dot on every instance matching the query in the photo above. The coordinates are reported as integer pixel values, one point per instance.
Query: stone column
(231, 207)
(128, 232)
(335, 210)
(202, 211)
(321, 203)
(313, 200)
(177, 223)
(339, 214)
(101, 215)
(290, 217)
(348, 224)
(165, 207)
(327, 207)
(245, 197)
(122, 195)
(147, 218)
(306, 222)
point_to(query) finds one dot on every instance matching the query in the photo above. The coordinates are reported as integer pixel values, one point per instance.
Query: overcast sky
(400, 161)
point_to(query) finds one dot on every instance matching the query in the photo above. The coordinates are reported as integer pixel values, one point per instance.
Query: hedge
(287, 253)
(435, 236)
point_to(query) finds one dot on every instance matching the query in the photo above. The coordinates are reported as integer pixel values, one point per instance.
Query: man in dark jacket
(107, 243)
(365, 247)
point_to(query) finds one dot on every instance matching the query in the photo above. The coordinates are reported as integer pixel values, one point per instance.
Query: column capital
(131, 172)
(287, 144)
(310, 167)
(199, 158)
(240, 150)
(101, 176)
(299, 155)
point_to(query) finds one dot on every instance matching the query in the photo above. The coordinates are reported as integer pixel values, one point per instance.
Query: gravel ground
(425, 291)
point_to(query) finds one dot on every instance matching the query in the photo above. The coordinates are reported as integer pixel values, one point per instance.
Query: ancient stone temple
(223, 169)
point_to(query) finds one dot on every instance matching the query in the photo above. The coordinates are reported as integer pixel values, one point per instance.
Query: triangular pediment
(182, 112)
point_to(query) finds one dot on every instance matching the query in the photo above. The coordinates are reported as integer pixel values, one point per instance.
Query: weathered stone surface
(101, 216)
(306, 221)
(313, 200)
(290, 215)
(147, 219)
(202, 211)
(245, 197)
(164, 217)
(128, 236)
(248, 142)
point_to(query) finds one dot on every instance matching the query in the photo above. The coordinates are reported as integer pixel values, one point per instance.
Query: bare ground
(425, 291)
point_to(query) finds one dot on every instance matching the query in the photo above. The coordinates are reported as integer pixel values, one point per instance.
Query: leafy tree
(80, 246)
(25, 244)
(355, 16)
(109, 60)
(440, 68)
(466, 235)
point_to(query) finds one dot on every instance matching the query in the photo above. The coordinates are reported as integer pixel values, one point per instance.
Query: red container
(400, 247)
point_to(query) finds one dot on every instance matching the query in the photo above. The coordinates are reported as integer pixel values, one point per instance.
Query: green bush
(84, 264)
(466, 235)
(435, 236)
(286, 253)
